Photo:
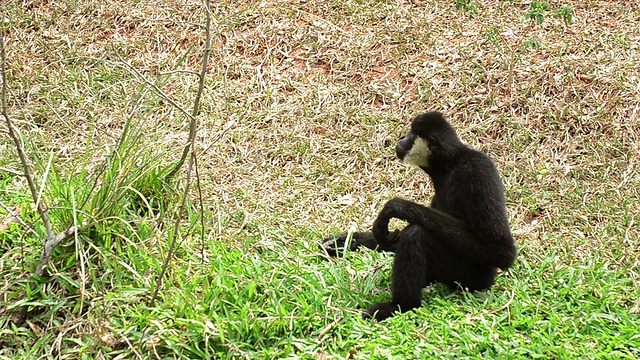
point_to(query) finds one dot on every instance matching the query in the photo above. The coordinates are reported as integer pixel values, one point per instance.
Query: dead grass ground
(330, 85)
(304, 100)
(314, 93)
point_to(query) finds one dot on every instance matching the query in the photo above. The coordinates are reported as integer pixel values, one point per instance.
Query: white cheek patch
(419, 153)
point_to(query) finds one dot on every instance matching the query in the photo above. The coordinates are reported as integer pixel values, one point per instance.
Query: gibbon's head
(431, 140)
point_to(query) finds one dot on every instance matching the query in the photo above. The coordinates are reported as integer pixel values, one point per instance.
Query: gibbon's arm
(491, 249)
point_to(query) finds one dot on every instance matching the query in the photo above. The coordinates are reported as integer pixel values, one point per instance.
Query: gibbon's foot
(380, 311)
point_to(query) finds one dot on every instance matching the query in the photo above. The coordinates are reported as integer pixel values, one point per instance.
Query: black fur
(460, 240)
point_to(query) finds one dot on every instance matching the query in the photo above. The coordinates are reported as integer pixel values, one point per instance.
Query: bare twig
(190, 148)
(12, 172)
(513, 294)
(52, 239)
(156, 88)
(174, 234)
(16, 140)
(329, 327)
(19, 218)
(199, 187)
(50, 245)
(196, 103)
(180, 72)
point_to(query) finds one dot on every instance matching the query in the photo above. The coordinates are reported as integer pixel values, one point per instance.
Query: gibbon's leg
(335, 245)
(494, 250)
(409, 274)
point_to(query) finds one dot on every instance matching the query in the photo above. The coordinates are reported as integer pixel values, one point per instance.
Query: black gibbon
(460, 240)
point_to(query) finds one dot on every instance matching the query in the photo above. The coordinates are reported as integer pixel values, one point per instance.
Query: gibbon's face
(413, 150)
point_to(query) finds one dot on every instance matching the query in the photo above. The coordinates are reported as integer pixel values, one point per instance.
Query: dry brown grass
(315, 93)
(304, 100)
(342, 80)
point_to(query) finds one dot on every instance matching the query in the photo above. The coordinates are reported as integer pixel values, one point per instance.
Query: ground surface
(302, 105)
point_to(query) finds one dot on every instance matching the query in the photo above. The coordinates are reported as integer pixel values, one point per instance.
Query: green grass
(301, 109)
(274, 303)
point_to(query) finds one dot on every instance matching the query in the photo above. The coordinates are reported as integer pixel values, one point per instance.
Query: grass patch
(302, 106)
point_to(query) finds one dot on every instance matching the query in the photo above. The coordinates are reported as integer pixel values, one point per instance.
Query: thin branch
(12, 172)
(16, 140)
(172, 72)
(19, 218)
(196, 104)
(190, 148)
(52, 239)
(50, 245)
(157, 89)
(199, 188)
(176, 230)
(329, 327)
(513, 294)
